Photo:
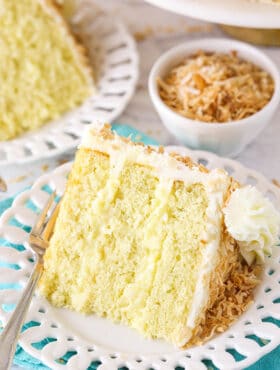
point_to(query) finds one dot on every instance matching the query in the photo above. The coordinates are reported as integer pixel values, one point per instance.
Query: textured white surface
(246, 13)
(115, 345)
(114, 58)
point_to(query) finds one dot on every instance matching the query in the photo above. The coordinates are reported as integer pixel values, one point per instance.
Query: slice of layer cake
(43, 71)
(141, 239)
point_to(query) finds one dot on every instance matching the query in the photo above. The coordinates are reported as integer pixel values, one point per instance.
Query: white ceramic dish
(114, 54)
(244, 13)
(93, 339)
(227, 139)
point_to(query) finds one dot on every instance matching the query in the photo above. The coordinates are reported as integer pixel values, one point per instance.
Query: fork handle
(9, 336)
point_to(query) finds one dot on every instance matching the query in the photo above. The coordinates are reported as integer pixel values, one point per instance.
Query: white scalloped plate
(114, 56)
(241, 13)
(90, 339)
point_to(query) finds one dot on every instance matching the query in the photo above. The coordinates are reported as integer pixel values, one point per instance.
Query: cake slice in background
(44, 72)
(141, 239)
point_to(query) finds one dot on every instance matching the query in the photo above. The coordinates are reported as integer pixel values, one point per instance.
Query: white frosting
(216, 184)
(252, 220)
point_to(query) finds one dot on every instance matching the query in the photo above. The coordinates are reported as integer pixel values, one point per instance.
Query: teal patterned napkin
(268, 362)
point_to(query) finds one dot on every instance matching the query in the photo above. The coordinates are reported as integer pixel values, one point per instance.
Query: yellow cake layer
(41, 68)
(127, 248)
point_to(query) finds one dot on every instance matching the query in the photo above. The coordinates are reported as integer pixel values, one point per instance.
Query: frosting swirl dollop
(252, 220)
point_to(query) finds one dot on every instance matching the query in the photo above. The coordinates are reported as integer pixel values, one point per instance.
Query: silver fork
(39, 241)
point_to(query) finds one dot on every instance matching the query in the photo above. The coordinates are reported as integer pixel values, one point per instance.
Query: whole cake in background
(155, 241)
(44, 72)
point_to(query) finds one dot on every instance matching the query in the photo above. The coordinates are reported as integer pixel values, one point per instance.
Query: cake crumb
(3, 185)
(19, 179)
(161, 149)
(276, 183)
(143, 35)
(62, 161)
(45, 167)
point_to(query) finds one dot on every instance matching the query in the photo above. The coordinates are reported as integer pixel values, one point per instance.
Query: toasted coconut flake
(19, 179)
(212, 87)
(3, 185)
(276, 183)
(45, 167)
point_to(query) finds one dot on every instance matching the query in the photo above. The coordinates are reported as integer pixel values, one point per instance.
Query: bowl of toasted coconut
(215, 94)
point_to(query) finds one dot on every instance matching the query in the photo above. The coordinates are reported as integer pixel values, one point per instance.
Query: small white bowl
(226, 139)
